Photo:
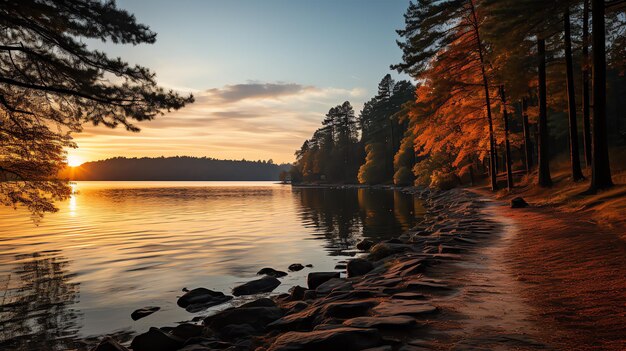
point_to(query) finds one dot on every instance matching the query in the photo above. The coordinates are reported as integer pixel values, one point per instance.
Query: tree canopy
(52, 83)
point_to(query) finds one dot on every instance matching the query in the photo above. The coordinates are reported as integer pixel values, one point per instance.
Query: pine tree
(51, 84)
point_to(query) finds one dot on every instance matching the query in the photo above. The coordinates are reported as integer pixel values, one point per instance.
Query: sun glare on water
(74, 161)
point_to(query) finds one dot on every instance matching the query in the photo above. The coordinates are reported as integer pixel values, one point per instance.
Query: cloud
(238, 92)
(253, 120)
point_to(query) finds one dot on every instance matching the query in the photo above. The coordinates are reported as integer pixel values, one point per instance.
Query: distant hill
(174, 168)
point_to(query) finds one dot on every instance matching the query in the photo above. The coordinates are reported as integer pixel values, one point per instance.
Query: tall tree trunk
(528, 149)
(600, 167)
(507, 145)
(586, 97)
(577, 173)
(493, 171)
(544, 161)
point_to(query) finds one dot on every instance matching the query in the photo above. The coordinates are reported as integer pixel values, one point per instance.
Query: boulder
(202, 297)
(518, 202)
(271, 272)
(187, 331)
(297, 293)
(265, 284)
(408, 296)
(237, 331)
(156, 340)
(382, 250)
(295, 267)
(364, 245)
(387, 322)
(347, 309)
(262, 302)
(316, 279)
(256, 317)
(338, 339)
(359, 266)
(299, 320)
(143, 312)
(334, 284)
(108, 344)
(404, 307)
(429, 286)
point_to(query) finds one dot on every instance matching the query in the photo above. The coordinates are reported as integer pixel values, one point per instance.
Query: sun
(74, 161)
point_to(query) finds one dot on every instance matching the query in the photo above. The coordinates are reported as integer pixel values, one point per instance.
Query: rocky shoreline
(386, 299)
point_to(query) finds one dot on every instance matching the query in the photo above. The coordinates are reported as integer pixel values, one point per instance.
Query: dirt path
(571, 272)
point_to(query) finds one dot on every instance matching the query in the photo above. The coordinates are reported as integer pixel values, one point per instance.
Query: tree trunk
(600, 167)
(544, 161)
(507, 145)
(492, 143)
(586, 97)
(577, 173)
(528, 149)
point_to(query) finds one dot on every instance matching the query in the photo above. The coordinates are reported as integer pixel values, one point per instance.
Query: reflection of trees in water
(35, 311)
(345, 216)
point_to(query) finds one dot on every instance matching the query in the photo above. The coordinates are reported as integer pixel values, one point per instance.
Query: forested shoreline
(502, 89)
(175, 168)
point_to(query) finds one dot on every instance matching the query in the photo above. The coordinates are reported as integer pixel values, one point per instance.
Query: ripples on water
(115, 247)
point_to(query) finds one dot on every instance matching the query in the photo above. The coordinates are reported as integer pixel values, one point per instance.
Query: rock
(108, 344)
(237, 331)
(202, 297)
(186, 331)
(364, 245)
(271, 272)
(143, 312)
(408, 296)
(202, 343)
(196, 347)
(334, 284)
(257, 317)
(390, 322)
(347, 309)
(338, 339)
(155, 340)
(300, 320)
(404, 307)
(316, 279)
(262, 302)
(295, 267)
(422, 285)
(309, 294)
(309, 265)
(518, 202)
(359, 266)
(382, 250)
(340, 266)
(297, 293)
(265, 284)
(380, 348)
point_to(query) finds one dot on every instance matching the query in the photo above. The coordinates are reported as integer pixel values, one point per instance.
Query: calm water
(118, 246)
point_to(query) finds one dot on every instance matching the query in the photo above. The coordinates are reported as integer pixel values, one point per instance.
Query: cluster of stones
(385, 301)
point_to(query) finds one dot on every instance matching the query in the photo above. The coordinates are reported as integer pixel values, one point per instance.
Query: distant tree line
(175, 168)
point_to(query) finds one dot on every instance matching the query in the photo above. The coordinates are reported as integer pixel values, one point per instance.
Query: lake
(114, 247)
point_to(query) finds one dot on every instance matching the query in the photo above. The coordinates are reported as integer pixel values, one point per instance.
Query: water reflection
(345, 216)
(36, 309)
(136, 244)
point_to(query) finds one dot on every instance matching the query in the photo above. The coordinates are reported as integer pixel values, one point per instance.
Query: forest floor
(606, 209)
(568, 253)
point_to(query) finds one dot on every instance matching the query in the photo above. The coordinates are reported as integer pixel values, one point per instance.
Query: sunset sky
(264, 73)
